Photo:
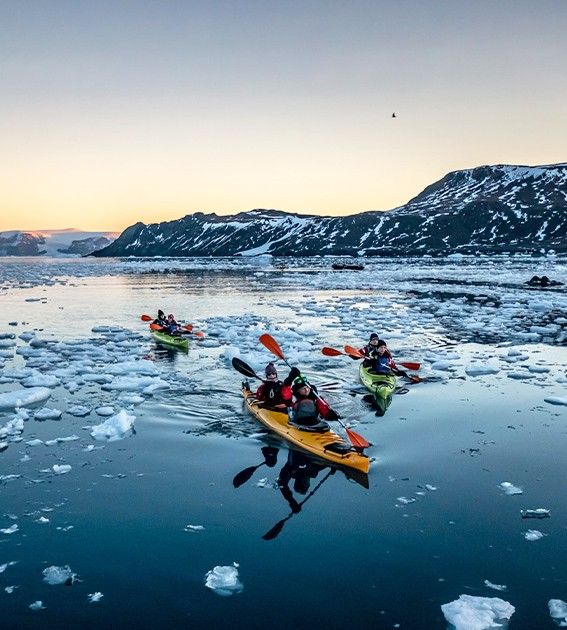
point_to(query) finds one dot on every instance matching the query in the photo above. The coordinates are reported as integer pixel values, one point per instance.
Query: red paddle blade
(414, 378)
(411, 366)
(331, 352)
(156, 327)
(353, 352)
(272, 345)
(146, 318)
(199, 334)
(189, 327)
(357, 440)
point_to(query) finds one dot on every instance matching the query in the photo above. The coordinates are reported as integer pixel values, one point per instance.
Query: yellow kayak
(328, 445)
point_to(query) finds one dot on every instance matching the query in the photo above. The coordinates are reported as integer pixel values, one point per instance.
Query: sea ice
(79, 410)
(41, 380)
(477, 613)
(537, 513)
(95, 597)
(496, 587)
(510, 488)
(104, 411)
(37, 605)
(558, 611)
(24, 397)
(556, 400)
(114, 428)
(533, 534)
(58, 575)
(10, 530)
(194, 528)
(61, 469)
(223, 580)
(480, 369)
(47, 414)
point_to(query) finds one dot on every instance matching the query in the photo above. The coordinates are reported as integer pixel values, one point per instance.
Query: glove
(293, 374)
(332, 415)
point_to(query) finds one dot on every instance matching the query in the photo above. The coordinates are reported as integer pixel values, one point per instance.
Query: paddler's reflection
(300, 469)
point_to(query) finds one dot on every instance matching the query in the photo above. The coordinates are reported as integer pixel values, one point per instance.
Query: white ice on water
(495, 587)
(55, 575)
(24, 397)
(533, 535)
(114, 428)
(37, 605)
(224, 580)
(95, 597)
(61, 469)
(558, 611)
(510, 488)
(477, 613)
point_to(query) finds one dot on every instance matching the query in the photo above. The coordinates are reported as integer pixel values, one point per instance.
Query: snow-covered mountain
(53, 242)
(484, 209)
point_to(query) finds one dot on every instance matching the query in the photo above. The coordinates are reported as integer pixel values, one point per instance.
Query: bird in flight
(394, 115)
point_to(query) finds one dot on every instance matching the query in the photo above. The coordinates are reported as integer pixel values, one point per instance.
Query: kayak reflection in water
(301, 469)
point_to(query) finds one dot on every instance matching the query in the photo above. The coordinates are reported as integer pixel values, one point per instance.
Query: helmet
(298, 383)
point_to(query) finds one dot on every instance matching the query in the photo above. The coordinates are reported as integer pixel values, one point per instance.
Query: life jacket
(272, 393)
(305, 411)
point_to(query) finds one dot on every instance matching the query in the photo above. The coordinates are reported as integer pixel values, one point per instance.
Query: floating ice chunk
(4, 566)
(538, 369)
(477, 613)
(430, 487)
(136, 384)
(104, 411)
(194, 528)
(496, 587)
(10, 589)
(224, 580)
(510, 488)
(444, 366)
(79, 410)
(114, 428)
(24, 397)
(537, 513)
(520, 376)
(26, 335)
(556, 400)
(47, 414)
(37, 605)
(10, 530)
(35, 442)
(41, 380)
(58, 575)
(405, 500)
(558, 611)
(480, 369)
(262, 483)
(42, 520)
(61, 469)
(95, 597)
(533, 534)
(132, 399)
(144, 367)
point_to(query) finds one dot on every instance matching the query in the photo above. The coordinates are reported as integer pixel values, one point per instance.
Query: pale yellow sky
(147, 115)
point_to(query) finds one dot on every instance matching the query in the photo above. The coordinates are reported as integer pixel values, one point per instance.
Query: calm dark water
(352, 556)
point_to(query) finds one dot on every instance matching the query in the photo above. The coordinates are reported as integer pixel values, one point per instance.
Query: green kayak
(381, 385)
(176, 342)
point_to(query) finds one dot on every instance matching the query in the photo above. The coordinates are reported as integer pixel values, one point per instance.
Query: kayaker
(161, 320)
(273, 392)
(383, 363)
(370, 350)
(173, 328)
(308, 408)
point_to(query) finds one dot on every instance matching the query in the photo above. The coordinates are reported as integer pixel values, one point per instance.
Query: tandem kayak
(328, 446)
(381, 385)
(170, 340)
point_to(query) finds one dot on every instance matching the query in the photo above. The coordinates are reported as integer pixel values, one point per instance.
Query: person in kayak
(160, 320)
(382, 361)
(172, 327)
(370, 350)
(273, 392)
(308, 408)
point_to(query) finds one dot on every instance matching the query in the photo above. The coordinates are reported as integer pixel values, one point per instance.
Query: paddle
(270, 454)
(356, 354)
(277, 528)
(244, 368)
(272, 345)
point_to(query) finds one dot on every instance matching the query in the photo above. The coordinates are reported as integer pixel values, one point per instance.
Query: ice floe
(556, 400)
(558, 612)
(24, 397)
(495, 587)
(477, 613)
(114, 428)
(510, 488)
(224, 580)
(95, 597)
(47, 414)
(37, 605)
(10, 530)
(61, 469)
(533, 535)
(54, 575)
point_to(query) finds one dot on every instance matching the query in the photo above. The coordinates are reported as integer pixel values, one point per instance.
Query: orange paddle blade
(199, 334)
(357, 440)
(272, 345)
(331, 352)
(353, 352)
(411, 366)
(156, 327)
(188, 327)
(146, 318)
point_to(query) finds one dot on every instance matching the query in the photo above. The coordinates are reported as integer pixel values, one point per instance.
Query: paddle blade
(414, 378)
(331, 352)
(272, 345)
(146, 318)
(199, 334)
(353, 352)
(411, 366)
(276, 529)
(156, 327)
(243, 368)
(243, 476)
(188, 327)
(357, 440)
